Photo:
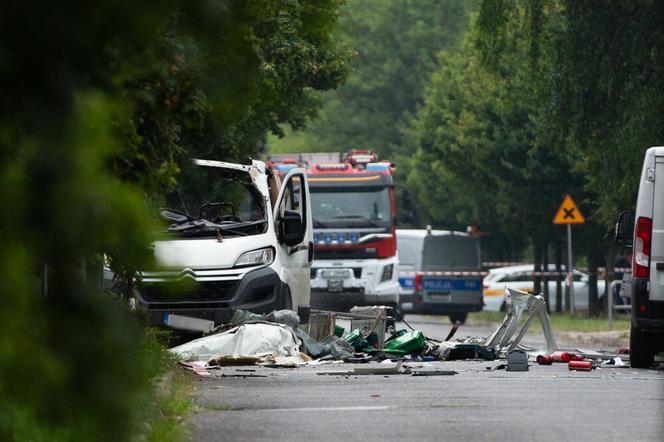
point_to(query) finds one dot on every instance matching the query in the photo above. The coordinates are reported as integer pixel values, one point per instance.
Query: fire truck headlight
(387, 273)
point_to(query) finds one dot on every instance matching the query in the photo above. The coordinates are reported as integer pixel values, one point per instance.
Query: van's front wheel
(640, 348)
(461, 317)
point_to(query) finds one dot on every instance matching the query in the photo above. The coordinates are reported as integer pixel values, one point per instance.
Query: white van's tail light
(642, 243)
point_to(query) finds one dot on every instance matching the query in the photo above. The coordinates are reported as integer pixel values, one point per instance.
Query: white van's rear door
(657, 250)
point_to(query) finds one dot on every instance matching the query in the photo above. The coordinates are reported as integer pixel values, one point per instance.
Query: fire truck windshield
(346, 206)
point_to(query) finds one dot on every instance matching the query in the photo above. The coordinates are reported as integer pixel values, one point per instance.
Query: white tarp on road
(252, 340)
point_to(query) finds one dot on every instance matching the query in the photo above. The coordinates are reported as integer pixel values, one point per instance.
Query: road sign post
(570, 266)
(569, 214)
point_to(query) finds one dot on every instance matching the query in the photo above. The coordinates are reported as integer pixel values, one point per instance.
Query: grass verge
(559, 321)
(173, 404)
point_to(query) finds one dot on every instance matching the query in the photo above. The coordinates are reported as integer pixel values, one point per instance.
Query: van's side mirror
(291, 228)
(625, 228)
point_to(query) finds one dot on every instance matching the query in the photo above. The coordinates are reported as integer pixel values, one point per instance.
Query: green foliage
(601, 82)
(166, 422)
(102, 102)
(396, 44)
(475, 155)
(215, 91)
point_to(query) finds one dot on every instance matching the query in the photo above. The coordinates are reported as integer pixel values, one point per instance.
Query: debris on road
(435, 373)
(246, 343)
(518, 302)
(276, 340)
(404, 342)
(580, 365)
(381, 369)
(614, 362)
(544, 360)
(453, 331)
(198, 367)
(517, 360)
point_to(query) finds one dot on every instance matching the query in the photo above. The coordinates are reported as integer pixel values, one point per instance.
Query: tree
(216, 92)
(602, 108)
(396, 44)
(101, 102)
(604, 71)
(475, 157)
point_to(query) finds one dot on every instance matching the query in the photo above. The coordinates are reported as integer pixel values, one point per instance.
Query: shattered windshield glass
(213, 201)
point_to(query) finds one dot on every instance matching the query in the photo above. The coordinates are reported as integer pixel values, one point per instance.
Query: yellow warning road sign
(568, 213)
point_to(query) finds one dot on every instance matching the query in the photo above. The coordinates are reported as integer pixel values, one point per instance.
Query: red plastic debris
(580, 365)
(544, 360)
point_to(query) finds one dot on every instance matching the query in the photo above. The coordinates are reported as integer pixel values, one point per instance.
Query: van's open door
(294, 228)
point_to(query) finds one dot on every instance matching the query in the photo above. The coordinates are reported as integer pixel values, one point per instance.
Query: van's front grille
(193, 291)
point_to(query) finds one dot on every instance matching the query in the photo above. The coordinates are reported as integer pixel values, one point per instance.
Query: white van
(235, 238)
(439, 272)
(643, 230)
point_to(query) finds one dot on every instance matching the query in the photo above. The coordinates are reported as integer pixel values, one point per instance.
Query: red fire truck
(354, 214)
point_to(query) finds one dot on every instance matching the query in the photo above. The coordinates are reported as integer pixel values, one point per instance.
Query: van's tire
(461, 317)
(641, 351)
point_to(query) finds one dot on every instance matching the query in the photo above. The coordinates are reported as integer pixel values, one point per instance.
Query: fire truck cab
(354, 216)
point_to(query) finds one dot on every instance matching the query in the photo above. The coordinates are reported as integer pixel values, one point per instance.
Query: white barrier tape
(491, 264)
(443, 273)
(453, 273)
(494, 264)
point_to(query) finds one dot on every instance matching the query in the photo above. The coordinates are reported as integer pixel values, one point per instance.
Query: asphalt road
(478, 403)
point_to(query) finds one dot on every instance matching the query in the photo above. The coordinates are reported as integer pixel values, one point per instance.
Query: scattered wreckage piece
(517, 303)
(453, 331)
(246, 342)
(197, 367)
(598, 359)
(517, 360)
(405, 342)
(435, 373)
(614, 362)
(382, 368)
(580, 365)
(468, 348)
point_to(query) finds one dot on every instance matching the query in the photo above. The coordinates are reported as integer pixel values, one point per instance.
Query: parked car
(643, 231)
(520, 278)
(439, 272)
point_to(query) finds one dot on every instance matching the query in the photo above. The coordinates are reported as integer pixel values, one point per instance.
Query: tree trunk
(593, 299)
(537, 280)
(559, 278)
(545, 266)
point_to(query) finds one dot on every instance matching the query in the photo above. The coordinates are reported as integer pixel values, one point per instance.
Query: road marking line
(356, 408)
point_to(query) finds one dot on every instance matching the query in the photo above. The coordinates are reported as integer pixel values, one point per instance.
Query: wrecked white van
(236, 238)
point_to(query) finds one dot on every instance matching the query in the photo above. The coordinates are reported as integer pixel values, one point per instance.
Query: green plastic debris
(408, 342)
(339, 331)
(356, 339)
